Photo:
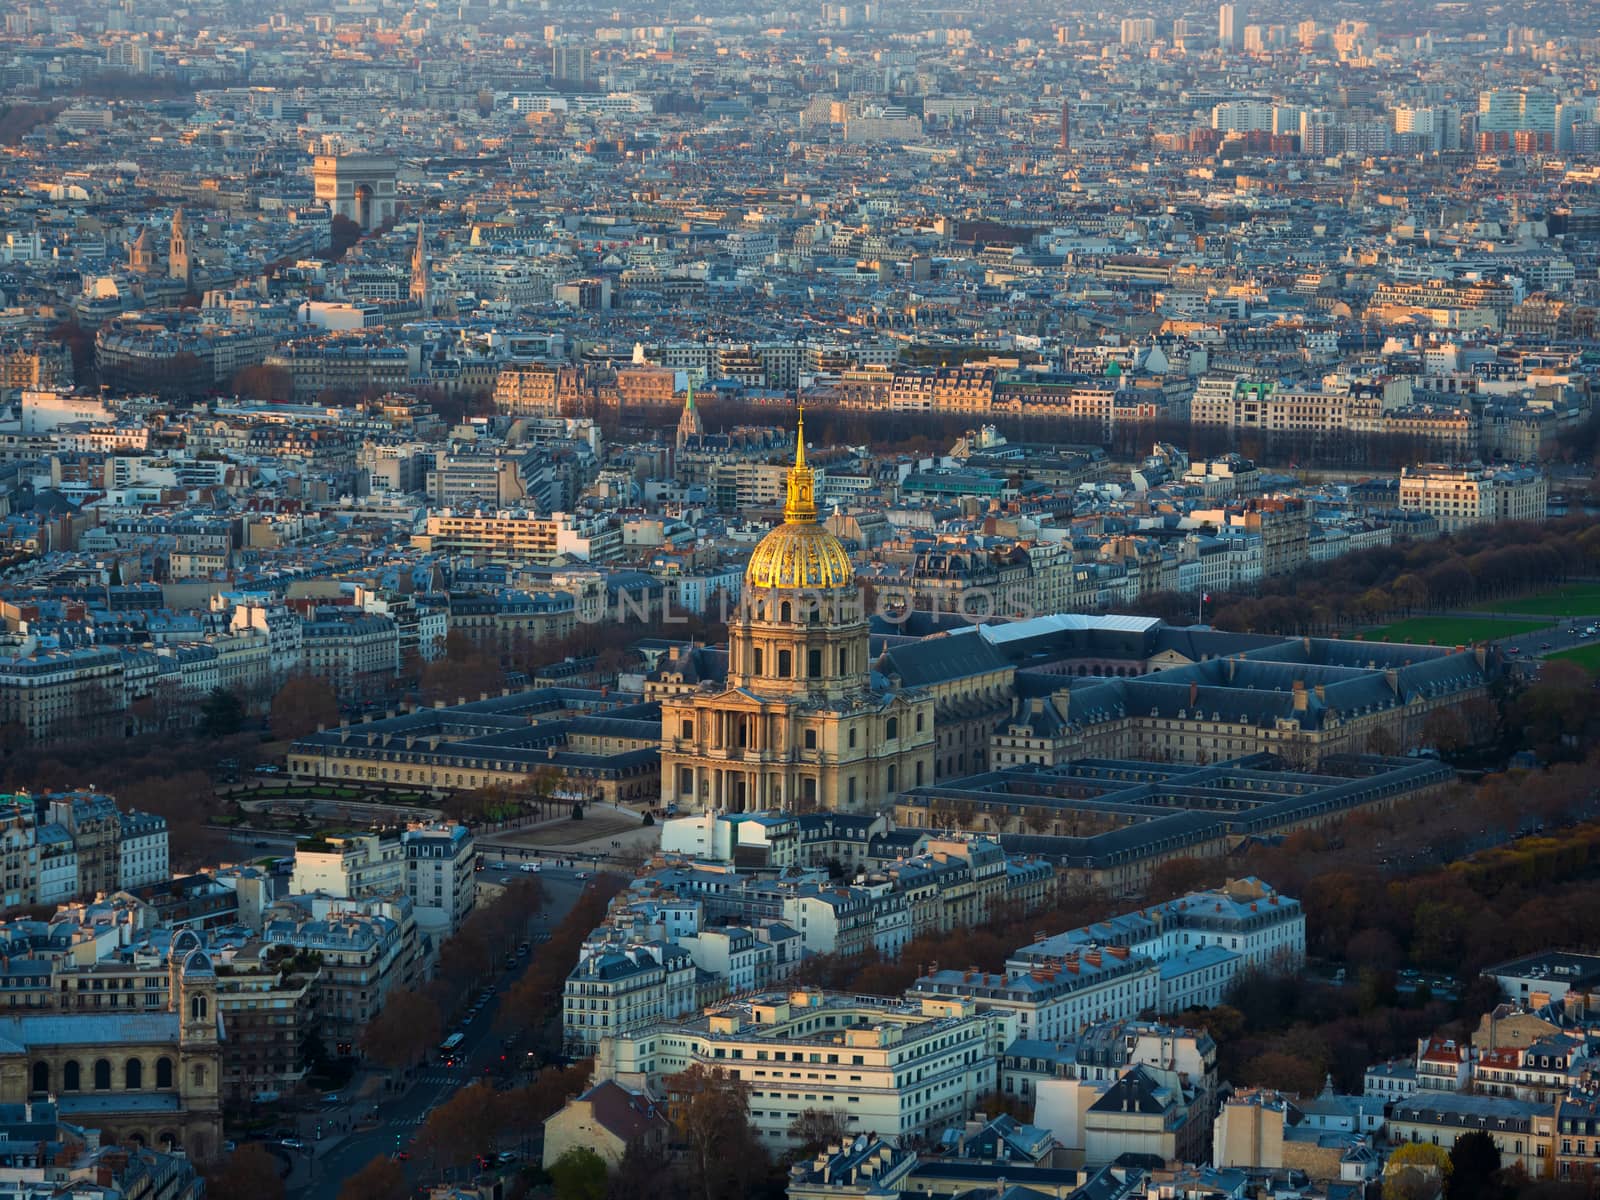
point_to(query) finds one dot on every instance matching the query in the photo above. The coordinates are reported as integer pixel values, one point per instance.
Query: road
(1565, 634)
(399, 1119)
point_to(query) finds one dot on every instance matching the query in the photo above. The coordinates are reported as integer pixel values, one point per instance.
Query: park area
(1587, 657)
(1569, 600)
(1449, 631)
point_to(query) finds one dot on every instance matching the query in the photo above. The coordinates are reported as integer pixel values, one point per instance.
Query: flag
(1205, 597)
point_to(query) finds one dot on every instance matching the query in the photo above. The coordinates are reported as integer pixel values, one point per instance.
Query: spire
(689, 427)
(801, 505)
(178, 248)
(420, 270)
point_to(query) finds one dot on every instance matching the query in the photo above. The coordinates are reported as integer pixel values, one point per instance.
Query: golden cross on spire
(800, 507)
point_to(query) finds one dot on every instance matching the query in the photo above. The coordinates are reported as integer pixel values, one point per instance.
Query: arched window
(163, 1072)
(198, 1008)
(814, 664)
(891, 729)
(69, 1076)
(852, 739)
(785, 611)
(133, 1069)
(41, 1077)
(102, 1075)
(785, 664)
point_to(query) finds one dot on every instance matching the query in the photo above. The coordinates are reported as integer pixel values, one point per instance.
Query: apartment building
(515, 536)
(616, 992)
(439, 875)
(1523, 1132)
(354, 865)
(895, 1069)
(1447, 303)
(535, 389)
(141, 849)
(345, 647)
(96, 828)
(1053, 1000)
(366, 949)
(1460, 496)
(55, 693)
(1099, 1052)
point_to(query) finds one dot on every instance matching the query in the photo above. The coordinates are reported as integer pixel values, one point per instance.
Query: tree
(221, 715)
(303, 703)
(463, 1127)
(344, 233)
(645, 1170)
(1474, 1168)
(1283, 1072)
(403, 1031)
(263, 383)
(380, 1179)
(1415, 1171)
(1179, 877)
(579, 1174)
(249, 1173)
(711, 1111)
(815, 1128)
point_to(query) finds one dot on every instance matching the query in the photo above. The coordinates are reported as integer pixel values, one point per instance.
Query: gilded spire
(801, 505)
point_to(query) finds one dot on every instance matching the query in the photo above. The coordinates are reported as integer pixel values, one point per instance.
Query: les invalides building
(802, 722)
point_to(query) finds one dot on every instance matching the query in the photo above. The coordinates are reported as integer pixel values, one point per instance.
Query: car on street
(531, 868)
(294, 1143)
(401, 1156)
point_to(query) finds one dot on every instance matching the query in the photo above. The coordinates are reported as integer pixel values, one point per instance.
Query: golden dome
(800, 553)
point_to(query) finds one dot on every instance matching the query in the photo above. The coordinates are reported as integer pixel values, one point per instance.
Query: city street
(399, 1118)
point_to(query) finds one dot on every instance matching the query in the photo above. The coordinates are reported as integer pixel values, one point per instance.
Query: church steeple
(141, 258)
(800, 507)
(178, 249)
(421, 269)
(689, 426)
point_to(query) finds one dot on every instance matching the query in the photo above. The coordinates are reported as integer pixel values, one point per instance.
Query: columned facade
(801, 723)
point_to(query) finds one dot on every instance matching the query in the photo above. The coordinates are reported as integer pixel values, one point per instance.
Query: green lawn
(1571, 600)
(1449, 631)
(1587, 657)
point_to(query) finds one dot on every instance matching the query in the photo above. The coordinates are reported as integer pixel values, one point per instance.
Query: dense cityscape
(846, 603)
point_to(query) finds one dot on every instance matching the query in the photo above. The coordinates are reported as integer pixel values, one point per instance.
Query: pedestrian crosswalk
(405, 1122)
(439, 1075)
